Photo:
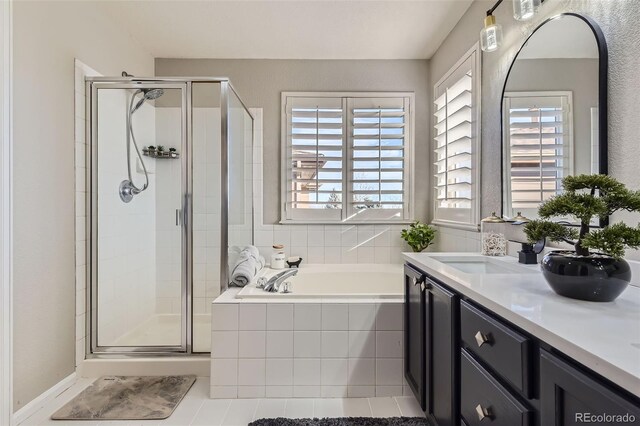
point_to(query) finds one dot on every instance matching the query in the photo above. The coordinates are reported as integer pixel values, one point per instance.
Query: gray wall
(580, 76)
(260, 83)
(47, 38)
(618, 20)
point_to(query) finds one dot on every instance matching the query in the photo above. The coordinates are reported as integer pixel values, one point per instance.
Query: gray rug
(344, 421)
(127, 398)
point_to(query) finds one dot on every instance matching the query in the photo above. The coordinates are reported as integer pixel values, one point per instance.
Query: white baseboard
(48, 395)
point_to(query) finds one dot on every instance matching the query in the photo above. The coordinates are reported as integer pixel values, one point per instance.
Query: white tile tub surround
(306, 349)
(321, 243)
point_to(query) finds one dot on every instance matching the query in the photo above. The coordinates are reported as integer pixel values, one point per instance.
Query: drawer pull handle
(483, 413)
(482, 338)
(417, 281)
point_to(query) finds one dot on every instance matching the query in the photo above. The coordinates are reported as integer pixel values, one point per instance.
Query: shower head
(150, 94)
(147, 95)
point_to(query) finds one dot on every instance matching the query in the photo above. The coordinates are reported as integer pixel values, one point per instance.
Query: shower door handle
(178, 215)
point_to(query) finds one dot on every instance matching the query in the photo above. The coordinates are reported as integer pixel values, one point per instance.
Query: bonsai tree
(587, 197)
(419, 236)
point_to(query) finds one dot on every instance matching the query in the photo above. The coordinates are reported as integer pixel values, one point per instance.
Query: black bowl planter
(596, 278)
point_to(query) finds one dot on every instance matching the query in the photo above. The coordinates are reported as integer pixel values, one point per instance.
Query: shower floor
(165, 330)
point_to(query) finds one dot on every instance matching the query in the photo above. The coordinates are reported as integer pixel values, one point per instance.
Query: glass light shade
(491, 35)
(524, 10)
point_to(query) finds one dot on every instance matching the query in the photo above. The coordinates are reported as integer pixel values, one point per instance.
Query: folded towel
(248, 264)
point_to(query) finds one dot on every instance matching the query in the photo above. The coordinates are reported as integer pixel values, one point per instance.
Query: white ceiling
(293, 29)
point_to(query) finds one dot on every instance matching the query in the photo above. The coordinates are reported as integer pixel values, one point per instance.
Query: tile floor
(198, 410)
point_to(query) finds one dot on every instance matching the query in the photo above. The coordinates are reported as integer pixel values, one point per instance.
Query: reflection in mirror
(550, 114)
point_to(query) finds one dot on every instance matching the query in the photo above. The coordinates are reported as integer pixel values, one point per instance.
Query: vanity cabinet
(441, 323)
(431, 346)
(569, 395)
(415, 333)
(470, 367)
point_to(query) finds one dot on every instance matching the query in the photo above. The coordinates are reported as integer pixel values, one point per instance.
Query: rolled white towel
(248, 264)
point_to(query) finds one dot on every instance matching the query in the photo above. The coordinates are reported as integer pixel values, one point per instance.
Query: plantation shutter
(346, 157)
(378, 161)
(539, 148)
(315, 150)
(456, 149)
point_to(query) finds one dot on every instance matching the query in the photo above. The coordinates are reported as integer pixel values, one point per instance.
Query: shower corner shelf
(165, 155)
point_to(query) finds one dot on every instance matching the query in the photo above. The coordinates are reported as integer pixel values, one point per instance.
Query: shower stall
(170, 182)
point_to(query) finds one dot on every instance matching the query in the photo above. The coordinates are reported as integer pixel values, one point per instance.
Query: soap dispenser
(528, 254)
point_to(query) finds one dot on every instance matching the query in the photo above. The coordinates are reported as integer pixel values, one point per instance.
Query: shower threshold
(162, 329)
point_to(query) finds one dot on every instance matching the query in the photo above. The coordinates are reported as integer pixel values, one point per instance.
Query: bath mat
(127, 398)
(344, 421)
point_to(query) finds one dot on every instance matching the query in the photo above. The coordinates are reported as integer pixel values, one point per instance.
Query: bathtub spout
(273, 285)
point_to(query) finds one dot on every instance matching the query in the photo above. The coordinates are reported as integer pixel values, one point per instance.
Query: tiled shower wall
(168, 189)
(206, 208)
(206, 211)
(322, 243)
(127, 231)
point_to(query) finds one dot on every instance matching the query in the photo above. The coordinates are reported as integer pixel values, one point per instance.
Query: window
(347, 157)
(538, 146)
(456, 144)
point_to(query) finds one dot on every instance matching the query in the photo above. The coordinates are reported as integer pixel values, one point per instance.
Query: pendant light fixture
(523, 10)
(491, 34)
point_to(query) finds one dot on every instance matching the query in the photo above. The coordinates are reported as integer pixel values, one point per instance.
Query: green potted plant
(595, 270)
(419, 236)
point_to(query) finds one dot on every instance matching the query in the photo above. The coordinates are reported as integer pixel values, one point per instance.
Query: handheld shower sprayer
(127, 188)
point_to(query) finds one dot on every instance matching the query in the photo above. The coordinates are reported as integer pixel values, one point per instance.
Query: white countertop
(604, 337)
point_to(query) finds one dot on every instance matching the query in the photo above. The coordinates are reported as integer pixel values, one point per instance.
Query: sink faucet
(273, 285)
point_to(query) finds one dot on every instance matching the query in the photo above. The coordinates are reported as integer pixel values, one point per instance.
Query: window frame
(440, 216)
(347, 216)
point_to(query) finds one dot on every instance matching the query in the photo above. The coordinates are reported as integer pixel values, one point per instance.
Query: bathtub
(341, 281)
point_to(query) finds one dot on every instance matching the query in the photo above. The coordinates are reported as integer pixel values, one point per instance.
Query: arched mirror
(554, 112)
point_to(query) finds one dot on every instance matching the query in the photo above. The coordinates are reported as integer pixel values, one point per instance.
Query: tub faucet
(273, 285)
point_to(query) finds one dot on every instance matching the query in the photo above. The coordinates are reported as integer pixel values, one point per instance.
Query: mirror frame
(603, 96)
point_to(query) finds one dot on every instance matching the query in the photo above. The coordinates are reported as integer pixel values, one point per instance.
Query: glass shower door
(138, 207)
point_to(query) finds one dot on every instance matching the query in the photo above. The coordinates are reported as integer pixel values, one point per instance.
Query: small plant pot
(595, 278)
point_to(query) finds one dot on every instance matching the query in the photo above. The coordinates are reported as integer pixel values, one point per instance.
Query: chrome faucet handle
(286, 287)
(261, 282)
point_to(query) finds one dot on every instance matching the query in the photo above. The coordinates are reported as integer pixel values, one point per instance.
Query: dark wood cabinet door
(414, 333)
(442, 311)
(568, 396)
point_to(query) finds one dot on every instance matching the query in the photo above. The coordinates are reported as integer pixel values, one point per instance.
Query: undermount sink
(482, 265)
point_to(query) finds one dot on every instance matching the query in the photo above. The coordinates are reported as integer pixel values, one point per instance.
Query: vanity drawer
(484, 401)
(504, 350)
